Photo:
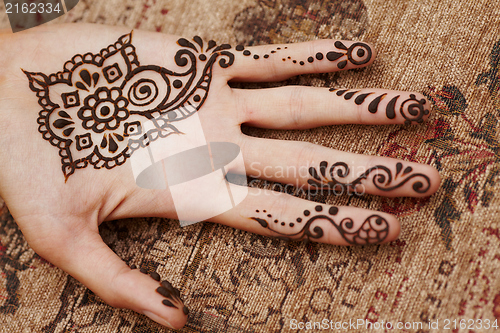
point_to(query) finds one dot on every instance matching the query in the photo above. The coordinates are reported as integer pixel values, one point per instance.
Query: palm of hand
(104, 106)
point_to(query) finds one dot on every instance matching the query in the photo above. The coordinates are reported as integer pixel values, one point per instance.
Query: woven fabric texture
(445, 264)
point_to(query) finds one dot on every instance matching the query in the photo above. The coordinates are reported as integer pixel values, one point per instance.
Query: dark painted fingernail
(168, 303)
(185, 310)
(156, 276)
(143, 270)
(133, 266)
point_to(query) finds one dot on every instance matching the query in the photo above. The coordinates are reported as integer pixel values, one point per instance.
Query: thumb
(89, 260)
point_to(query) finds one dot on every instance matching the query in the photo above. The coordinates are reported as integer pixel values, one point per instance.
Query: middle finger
(296, 107)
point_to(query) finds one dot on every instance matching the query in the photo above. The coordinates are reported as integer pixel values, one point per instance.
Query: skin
(60, 217)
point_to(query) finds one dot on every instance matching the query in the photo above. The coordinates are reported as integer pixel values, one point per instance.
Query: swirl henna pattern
(326, 179)
(412, 109)
(94, 109)
(374, 229)
(358, 54)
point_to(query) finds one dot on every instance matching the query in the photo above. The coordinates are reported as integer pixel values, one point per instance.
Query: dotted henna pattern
(373, 230)
(357, 54)
(328, 179)
(94, 109)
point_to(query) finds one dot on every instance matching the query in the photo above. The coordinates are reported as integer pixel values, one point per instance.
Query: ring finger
(313, 167)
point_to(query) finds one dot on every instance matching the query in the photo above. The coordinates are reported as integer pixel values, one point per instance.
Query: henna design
(247, 53)
(358, 54)
(172, 295)
(94, 108)
(412, 109)
(382, 180)
(373, 230)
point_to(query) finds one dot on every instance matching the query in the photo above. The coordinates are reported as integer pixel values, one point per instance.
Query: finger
(295, 107)
(278, 62)
(87, 258)
(316, 168)
(280, 215)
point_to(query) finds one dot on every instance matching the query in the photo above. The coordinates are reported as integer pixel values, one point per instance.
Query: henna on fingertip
(328, 179)
(172, 295)
(412, 109)
(373, 230)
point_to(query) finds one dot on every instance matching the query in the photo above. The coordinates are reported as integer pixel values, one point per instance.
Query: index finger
(278, 62)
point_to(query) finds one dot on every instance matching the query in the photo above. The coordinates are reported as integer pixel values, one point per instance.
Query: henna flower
(94, 109)
(104, 110)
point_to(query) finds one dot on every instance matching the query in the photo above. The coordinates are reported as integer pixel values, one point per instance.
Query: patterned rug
(441, 269)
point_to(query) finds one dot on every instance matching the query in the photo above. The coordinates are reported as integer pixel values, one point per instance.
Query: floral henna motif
(373, 230)
(412, 109)
(327, 179)
(171, 294)
(94, 109)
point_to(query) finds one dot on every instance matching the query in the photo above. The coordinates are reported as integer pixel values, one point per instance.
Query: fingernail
(158, 319)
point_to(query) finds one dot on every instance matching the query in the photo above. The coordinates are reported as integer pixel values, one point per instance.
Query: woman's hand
(78, 102)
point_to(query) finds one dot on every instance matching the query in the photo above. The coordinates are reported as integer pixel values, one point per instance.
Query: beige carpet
(445, 265)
